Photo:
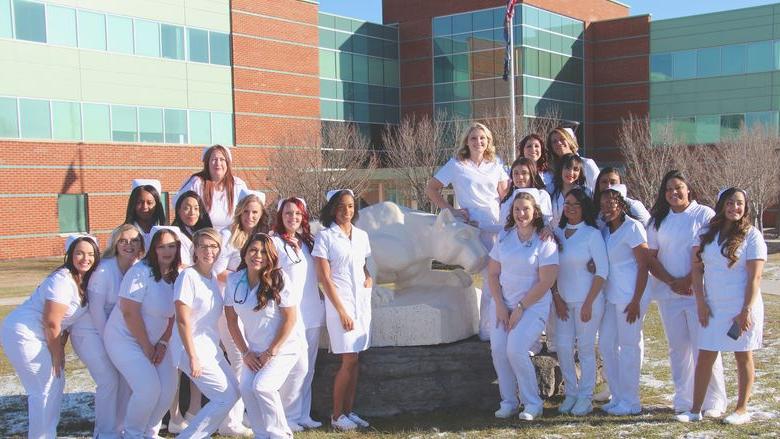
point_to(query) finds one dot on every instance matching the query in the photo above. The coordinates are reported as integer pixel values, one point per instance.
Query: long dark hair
(625, 209)
(536, 180)
(67, 263)
(328, 213)
(597, 191)
(661, 207)
(271, 279)
(568, 161)
(159, 211)
(538, 221)
(543, 164)
(588, 208)
(153, 261)
(208, 185)
(735, 233)
(204, 220)
(304, 232)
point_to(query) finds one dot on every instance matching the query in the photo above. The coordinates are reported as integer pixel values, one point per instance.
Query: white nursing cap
(571, 132)
(723, 190)
(282, 200)
(158, 228)
(207, 148)
(330, 194)
(147, 182)
(72, 238)
(619, 188)
(247, 192)
(531, 191)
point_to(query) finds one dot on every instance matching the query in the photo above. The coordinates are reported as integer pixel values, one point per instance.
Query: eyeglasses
(123, 241)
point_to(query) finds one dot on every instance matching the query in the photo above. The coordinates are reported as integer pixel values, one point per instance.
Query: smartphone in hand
(734, 331)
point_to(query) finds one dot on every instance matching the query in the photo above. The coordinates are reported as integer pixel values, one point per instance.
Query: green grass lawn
(20, 277)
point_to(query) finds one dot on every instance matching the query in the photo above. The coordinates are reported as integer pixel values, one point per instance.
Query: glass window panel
(684, 64)
(29, 21)
(460, 64)
(777, 55)
(361, 112)
(531, 62)
(530, 37)
(72, 213)
(556, 65)
(376, 113)
(483, 19)
(375, 94)
(327, 38)
(219, 45)
(442, 69)
(172, 38)
(198, 49)
(484, 40)
(390, 49)
(734, 59)
(462, 91)
(35, 120)
(329, 109)
(328, 64)
(9, 122)
(391, 96)
(119, 34)
(544, 20)
(707, 129)
(328, 89)
(147, 38)
(97, 122)
(359, 68)
(392, 115)
(360, 92)
(200, 127)
(66, 118)
(685, 129)
(765, 119)
(709, 61)
(326, 20)
(442, 46)
(462, 23)
(731, 124)
(530, 16)
(61, 25)
(760, 56)
(376, 71)
(376, 47)
(344, 66)
(556, 23)
(92, 30)
(661, 67)
(6, 29)
(222, 128)
(443, 92)
(544, 40)
(343, 41)
(150, 124)
(343, 23)
(175, 126)
(124, 126)
(544, 64)
(556, 43)
(359, 44)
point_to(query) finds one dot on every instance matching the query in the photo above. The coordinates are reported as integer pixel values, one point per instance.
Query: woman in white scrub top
(562, 141)
(671, 234)
(620, 335)
(86, 335)
(522, 268)
(259, 295)
(524, 176)
(340, 253)
(144, 207)
(294, 243)
(190, 215)
(216, 185)
(610, 176)
(727, 266)
(480, 181)
(137, 332)
(195, 344)
(568, 175)
(578, 303)
(34, 334)
(532, 147)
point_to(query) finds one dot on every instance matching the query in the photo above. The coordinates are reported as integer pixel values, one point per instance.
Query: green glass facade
(468, 64)
(712, 74)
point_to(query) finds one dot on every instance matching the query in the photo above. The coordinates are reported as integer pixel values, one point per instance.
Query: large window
(712, 128)
(9, 122)
(119, 34)
(198, 45)
(72, 213)
(124, 125)
(172, 41)
(219, 47)
(684, 64)
(35, 119)
(97, 122)
(175, 126)
(92, 30)
(150, 125)
(200, 127)
(6, 28)
(66, 120)
(734, 59)
(760, 56)
(29, 21)
(147, 38)
(61, 26)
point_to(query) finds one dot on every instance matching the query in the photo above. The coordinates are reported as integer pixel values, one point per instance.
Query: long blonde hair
(462, 150)
(112, 242)
(238, 236)
(570, 140)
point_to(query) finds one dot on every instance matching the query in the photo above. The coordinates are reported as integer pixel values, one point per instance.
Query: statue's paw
(383, 295)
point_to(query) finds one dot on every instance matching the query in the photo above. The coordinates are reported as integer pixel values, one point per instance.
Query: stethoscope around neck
(243, 280)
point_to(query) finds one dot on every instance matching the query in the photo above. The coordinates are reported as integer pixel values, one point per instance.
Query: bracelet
(163, 342)
(268, 352)
(520, 305)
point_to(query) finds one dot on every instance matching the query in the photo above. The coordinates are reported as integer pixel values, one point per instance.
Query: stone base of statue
(396, 380)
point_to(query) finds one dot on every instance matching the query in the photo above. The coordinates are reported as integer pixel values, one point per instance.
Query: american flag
(510, 12)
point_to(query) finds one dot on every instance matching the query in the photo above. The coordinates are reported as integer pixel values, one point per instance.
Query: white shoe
(622, 409)
(602, 396)
(234, 431)
(689, 417)
(530, 413)
(189, 416)
(362, 423)
(535, 348)
(737, 418)
(506, 412)
(343, 423)
(610, 405)
(175, 427)
(582, 407)
(567, 405)
(295, 427)
(309, 423)
(713, 413)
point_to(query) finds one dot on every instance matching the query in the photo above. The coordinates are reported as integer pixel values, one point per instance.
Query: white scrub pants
(112, 391)
(296, 390)
(263, 402)
(235, 417)
(313, 343)
(513, 364)
(29, 355)
(574, 334)
(681, 325)
(152, 386)
(622, 348)
(220, 386)
(486, 311)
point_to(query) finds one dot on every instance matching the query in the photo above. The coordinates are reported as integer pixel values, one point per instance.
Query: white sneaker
(567, 405)
(737, 418)
(343, 423)
(689, 417)
(309, 423)
(582, 407)
(713, 413)
(176, 427)
(295, 427)
(623, 409)
(506, 412)
(362, 423)
(535, 348)
(530, 413)
(235, 431)
(610, 405)
(602, 396)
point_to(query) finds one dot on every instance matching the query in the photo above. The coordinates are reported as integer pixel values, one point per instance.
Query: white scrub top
(202, 295)
(476, 187)
(545, 205)
(674, 241)
(58, 287)
(147, 236)
(520, 264)
(261, 326)
(155, 297)
(103, 291)
(185, 250)
(299, 267)
(638, 210)
(547, 179)
(574, 279)
(723, 283)
(623, 267)
(229, 256)
(591, 172)
(221, 215)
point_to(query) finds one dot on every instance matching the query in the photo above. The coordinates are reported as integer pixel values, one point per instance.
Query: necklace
(527, 242)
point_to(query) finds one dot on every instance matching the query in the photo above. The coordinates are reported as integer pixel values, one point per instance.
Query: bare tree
(501, 126)
(338, 157)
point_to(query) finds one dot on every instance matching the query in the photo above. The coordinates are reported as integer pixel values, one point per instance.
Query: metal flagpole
(513, 111)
